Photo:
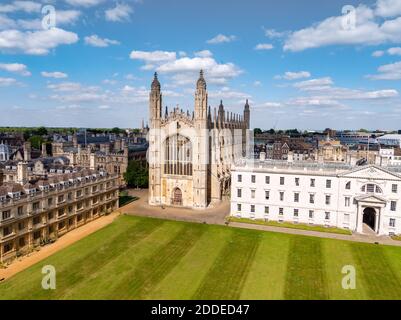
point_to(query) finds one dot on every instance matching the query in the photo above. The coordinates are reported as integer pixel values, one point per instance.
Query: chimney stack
(27, 151)
(44, 150)
(22, 172)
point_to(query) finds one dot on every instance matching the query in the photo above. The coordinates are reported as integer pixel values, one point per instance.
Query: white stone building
(363, 199)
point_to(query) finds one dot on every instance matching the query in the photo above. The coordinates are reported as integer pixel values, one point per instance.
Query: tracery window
(178, 156)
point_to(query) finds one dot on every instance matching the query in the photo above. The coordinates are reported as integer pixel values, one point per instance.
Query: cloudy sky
(302, 64)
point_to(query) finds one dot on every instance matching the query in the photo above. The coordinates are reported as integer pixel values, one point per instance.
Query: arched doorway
(177, 197)
(369, 218)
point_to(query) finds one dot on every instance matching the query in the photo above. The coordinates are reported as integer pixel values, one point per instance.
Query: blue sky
(301, 64)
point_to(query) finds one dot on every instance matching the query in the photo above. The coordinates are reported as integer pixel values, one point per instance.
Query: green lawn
(144, 258)
(290, 225)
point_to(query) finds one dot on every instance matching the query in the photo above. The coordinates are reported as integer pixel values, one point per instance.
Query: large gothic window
(178, 156)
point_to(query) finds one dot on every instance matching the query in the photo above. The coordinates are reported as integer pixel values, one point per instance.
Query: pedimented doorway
(369, 218)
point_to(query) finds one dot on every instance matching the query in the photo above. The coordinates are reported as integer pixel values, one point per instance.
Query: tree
(42, 131)
(36, 142)
(137, 174)
(116, 130)
(257, 131)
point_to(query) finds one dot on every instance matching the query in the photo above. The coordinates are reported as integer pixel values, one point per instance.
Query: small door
(177, 197)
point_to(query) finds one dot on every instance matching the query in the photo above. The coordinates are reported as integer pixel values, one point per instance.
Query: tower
(201, 100)
(247, 115)
(22, 172)
(201, 145)
(27, 151)
(155, 112)
(155, 103)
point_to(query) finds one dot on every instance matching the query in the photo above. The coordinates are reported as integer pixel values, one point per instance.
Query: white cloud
(130, 77)
(15, 68)
(96, 41)
(314, 84)
(153, 56)
(36, 42)
(294, 75)
(388, 8)
(65, 86)
(227, 93)
(388, 72)
(368, 31)
(257, 83)
(63, 17)
(54, 75)
(185, 70)
(272, 33)
(203, 54)
(66, 17)
(5, 82)
(84, 3)
(26, 6)
(109, 81)
(394, 51)
(121, 12)
(221, 38)
(378, 53)
(264, 46)
(6, 22)
(323, 89)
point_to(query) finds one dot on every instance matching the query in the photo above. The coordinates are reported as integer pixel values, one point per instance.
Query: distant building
(390, 140)
(331, 150)
(353, 137)
(5, 152)
(100, 153)
(278, 150)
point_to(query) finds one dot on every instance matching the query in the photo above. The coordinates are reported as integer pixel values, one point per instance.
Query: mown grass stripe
(381, 280)
(337, 255)
(106, 279)
(27, 284)
(305, 270)
(149, 272)
(227, 276)
(93, 260)
(192, 268)
(266, 279)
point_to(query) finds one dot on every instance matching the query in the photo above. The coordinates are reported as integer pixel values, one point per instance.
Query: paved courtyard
(214, 215)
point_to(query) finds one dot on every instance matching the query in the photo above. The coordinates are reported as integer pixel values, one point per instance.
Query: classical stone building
(365, 199)
(331, 150)
(190, 155)
(35, 210)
